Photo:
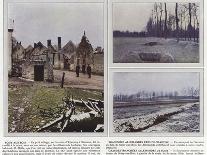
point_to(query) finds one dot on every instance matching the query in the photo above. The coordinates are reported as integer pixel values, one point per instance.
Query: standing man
(89, 71)
(77, 70)
(83, 69)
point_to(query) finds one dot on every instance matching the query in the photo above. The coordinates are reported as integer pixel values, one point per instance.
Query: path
(96, 82)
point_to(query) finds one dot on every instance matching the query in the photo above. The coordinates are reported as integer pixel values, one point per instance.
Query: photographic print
(156, 102)
(55, 63)
(165, 32)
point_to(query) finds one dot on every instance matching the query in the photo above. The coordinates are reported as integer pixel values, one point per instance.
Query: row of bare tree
(183, 23)
(188, 93)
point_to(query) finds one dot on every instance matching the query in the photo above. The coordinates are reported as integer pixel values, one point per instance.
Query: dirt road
(96, 82)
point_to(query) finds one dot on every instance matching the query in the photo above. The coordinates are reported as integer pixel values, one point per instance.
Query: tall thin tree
(177, 20)
(190, 19)
(165, 29)
(160, 26)
(157, 19)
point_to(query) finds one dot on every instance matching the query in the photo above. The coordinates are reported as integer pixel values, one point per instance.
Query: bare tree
(190, 20)
(165, 29)
(177, 20)
(191, 92)
(156, 18)
(195, 21)
(175, 94)
(181, 25)
(181, 21)
(160, 25)
(183, 15)
(185, 27)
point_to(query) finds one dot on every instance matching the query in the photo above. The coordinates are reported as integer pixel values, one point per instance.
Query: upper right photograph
(156, 32)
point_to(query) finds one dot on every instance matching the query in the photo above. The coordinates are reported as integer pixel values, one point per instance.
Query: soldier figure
(83, 69)
(89, 71)
(77, 70)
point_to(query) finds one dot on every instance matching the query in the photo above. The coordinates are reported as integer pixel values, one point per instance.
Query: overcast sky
(134, 16)
(35, 22)
(130, 83)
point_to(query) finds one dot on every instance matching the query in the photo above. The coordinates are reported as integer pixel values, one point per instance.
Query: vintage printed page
(103, 77)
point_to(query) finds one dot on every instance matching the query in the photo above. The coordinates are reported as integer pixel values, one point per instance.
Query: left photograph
(55, 63)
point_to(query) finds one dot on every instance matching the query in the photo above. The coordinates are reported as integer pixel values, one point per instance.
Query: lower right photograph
(157, 102)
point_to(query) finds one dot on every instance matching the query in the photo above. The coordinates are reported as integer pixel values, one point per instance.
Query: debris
(69, 121)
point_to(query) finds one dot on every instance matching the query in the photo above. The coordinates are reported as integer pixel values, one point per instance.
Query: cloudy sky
(134, 16)
(130, 83)
(35, 22)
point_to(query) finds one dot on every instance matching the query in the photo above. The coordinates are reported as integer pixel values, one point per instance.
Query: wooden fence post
(62, 82)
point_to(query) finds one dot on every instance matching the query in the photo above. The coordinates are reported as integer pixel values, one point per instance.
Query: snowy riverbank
(183, 118)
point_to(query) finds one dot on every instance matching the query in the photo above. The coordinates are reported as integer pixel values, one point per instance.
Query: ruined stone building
(84, 53)
(18, 53)
(69, 51)
(28, 52)
(38, 53)
(58, 57)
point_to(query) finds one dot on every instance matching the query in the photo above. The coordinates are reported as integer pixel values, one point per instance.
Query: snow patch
(140, 123)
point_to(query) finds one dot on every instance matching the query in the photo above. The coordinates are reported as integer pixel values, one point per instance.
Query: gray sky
(134, 16)
(41, 21)
(130, 83)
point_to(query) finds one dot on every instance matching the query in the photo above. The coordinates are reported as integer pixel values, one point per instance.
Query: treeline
(183, 23)
(189, 93)
(128, 34)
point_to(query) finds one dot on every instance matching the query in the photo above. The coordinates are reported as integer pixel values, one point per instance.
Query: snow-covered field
(173, 118)
(126, 50)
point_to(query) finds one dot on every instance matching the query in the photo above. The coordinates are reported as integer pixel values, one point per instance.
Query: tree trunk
(185, 30)
(165, 21)
(176, 18)
(197, 31)
(157, 20)
(152, 28)
(194, 31)
(189, 25)
(62, 81)
(181, 25)
(160, 27)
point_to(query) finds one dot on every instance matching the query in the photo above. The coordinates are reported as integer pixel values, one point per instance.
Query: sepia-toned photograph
(165, 32)
(156, 102)
(55, 62)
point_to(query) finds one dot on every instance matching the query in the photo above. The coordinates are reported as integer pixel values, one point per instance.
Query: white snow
(187, 121)
(126, 50)
(139, 123)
